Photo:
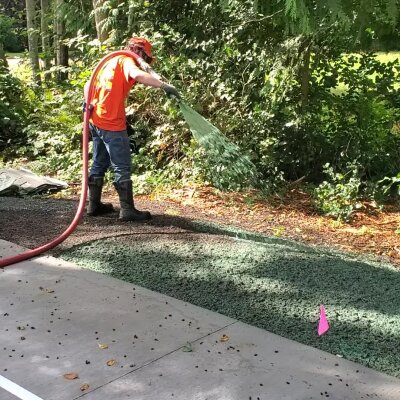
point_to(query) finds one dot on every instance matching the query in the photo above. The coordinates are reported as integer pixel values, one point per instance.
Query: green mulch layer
(267, 282)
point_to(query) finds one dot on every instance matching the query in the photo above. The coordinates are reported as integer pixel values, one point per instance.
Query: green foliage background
(293, 83)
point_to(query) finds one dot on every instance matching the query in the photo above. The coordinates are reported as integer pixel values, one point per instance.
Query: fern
(291, 8)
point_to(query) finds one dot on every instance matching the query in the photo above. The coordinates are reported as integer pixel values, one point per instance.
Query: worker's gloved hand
(170, 91)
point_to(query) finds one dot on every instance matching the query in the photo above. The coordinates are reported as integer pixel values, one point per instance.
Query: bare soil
(33, 221)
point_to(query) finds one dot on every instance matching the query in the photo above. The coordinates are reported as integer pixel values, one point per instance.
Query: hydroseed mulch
(271, 283)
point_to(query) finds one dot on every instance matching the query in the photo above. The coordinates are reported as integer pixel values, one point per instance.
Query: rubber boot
(128, 211)
(96, 207)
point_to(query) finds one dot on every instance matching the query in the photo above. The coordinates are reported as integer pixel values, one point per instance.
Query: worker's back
(110, 91)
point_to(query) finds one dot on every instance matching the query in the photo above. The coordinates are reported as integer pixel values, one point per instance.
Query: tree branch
(260, 19)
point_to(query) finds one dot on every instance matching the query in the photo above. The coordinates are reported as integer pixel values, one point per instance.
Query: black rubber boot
(96, 207)
(128, 211)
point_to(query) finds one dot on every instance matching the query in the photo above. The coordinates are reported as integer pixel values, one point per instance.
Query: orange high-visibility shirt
(111, 89)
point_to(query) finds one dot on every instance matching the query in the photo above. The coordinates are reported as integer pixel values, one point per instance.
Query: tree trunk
(3, 60)
(305, 74)
(130, 17)
(44, 25)
(61, 49)
(33, 39)
(100, 17)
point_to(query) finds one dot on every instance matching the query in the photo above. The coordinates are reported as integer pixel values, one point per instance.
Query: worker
(111, 146)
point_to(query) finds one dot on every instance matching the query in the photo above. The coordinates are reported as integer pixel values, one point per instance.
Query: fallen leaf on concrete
(110, 363)
(71, 376)
(103, 346)
(84, 387)
(47, 290)
(224, 338)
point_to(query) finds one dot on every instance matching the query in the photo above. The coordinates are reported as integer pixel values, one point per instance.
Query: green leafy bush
(337, 196)
(12, 112)
(292, 103)
(390, 186)
(351, 114)
(53, 132)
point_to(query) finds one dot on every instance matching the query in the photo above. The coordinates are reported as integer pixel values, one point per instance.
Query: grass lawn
(19, 66)
(387, 57)
(21, 54)
(380, 56)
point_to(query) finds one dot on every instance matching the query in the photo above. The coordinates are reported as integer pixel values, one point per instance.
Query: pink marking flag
(323, 325)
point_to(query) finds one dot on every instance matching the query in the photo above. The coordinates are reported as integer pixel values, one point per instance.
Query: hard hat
(142, 43)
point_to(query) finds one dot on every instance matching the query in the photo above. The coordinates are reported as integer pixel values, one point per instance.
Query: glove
(170, 91)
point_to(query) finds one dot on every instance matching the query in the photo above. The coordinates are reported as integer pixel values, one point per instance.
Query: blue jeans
(111, 148)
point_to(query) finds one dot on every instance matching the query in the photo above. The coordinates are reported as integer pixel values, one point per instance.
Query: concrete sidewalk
(56, 318)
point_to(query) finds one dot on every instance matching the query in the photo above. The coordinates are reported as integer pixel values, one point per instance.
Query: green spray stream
(227, 166)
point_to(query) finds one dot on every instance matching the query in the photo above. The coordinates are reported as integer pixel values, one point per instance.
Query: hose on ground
(85, 155)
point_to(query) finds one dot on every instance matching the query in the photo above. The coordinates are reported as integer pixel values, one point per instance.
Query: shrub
(12, 112)
(337, 196)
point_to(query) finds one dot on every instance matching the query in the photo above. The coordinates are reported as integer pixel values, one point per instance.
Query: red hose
(85, 154)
